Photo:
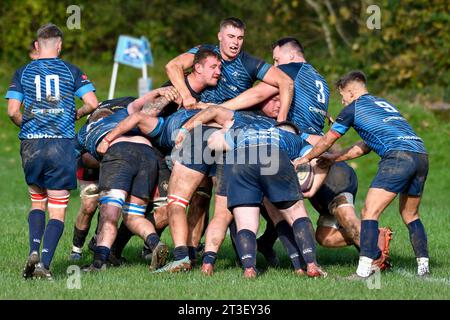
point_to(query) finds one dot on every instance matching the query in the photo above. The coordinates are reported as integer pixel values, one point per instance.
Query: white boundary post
(112, 85)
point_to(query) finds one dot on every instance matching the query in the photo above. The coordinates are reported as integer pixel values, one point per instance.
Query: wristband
(183, 129)
(107, 140)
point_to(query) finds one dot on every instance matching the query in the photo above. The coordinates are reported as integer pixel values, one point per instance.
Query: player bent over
(271, 176)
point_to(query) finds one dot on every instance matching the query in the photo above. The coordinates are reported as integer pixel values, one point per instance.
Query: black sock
(287, 238)
(79, 237)
(246, 247)
(123, 236)
(152, 241)
(304, 237)
(369, 239)
(233, 234)
(180, 252)
(52, 234)
(270, 235)
(418, 238)
(192, 253)
(36, 225)
(210, 257)
(101, 255)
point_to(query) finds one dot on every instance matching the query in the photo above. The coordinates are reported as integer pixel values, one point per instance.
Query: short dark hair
(98, 114)
(49, 31)
(204, 53)
(355, 75)
(289, 40)
(32, 46)
(288, 124)
(232, 21)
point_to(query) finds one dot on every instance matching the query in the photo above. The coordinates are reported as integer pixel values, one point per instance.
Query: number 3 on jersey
(48, 88)
(386, 106)
(321, 95)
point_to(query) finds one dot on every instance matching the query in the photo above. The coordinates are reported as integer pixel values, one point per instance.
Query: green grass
(134, 281)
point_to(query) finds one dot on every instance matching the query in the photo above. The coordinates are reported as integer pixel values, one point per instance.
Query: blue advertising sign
(134, 52)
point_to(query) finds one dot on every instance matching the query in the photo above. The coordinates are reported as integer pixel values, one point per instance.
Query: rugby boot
(30, 265)
(41, 272)
(182, 265)
(159, 256)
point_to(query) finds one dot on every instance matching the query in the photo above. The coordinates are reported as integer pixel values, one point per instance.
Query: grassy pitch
(135, 282)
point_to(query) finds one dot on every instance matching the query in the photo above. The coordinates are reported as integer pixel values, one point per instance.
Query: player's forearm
(250, 97)
(357, 150)
(322, 145)
(90, 104)
(14, 112)
(286, 88)
(124, 126)
(16, 118)
(175, 73)
(153, 108)
(203, 117)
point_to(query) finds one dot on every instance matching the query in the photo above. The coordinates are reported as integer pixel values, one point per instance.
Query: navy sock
(192, 253)
(123, 237)
(36, 225)
(246, 247)
(52, 233)
(79, 237)
(210, 257)
(369, 239)
(101, 255)
(180, 252)
(268, 238)
(304, 237)
(418, 238)
(286, 236)
(152, 240)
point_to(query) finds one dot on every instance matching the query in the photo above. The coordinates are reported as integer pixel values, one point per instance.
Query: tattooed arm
(153, 100)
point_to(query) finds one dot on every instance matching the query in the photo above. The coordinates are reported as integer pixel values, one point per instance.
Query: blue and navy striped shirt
(90, 134)
(245, 118)
(237, 76)
(311, 95)
(167, 128)
(252, 135)
(47, 87)
(379, 124)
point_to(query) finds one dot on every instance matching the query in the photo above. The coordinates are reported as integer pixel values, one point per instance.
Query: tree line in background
(411, 50)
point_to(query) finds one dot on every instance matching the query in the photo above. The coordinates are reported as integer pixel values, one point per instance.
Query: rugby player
(128, 175)
(239, 69)
(48, 86)
(273, 177)
(162, 130)
(402, 170)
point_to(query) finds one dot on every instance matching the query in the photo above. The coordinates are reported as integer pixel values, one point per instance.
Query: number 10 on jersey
(48, 88)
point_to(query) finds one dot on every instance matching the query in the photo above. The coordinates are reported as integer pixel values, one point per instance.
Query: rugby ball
(305, 176)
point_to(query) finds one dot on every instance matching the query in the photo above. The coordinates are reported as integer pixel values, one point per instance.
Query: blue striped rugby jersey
(311, 95)
(379, 124)
(252, 135)
(48, 87)
(237, 76)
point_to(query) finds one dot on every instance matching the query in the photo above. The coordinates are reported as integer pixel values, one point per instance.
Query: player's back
(309, 105)
(91, 133)
(49, 87)
(382, 126)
